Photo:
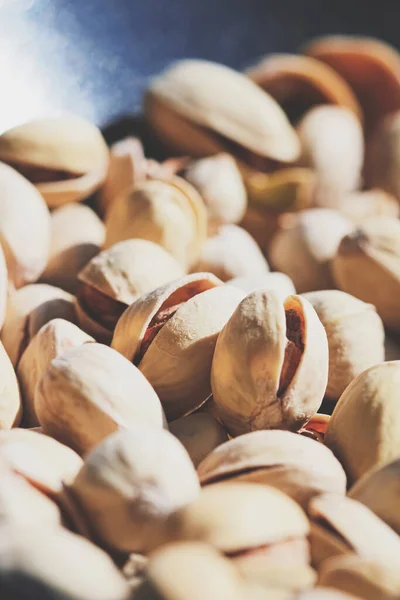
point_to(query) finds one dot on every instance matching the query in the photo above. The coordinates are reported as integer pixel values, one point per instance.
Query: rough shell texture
(200, 433)
(10, 401)
(278, 282)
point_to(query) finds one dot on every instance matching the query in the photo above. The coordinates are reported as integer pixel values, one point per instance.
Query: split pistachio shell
(270, 366)
(130, 483)
(360, 206)
(29, 308)
(171, 334)
(118, 276)
(305, 245)
(199, 433)
(316, 427)
(89, 392)
(25, 227)
(383, 156)
(66, 157)
(300, 467)
(231, 252)
(367, 265)
(364, 430)
(218, 102)
(355, 336)
(289, 189)
(52, 339)
(340, 525)
(170, 213)
(77, 234)
(278, 282)
(10, 401)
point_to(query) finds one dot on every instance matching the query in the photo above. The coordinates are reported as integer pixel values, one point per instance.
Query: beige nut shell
(10, 400)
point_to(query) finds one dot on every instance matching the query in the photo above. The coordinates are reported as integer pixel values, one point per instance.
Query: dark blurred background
(94, 57)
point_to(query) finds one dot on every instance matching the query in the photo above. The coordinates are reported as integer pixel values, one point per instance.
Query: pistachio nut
(118, 276)
(77, 235)
(231, 252)
(10, 400)
(316, 427)
(130, 483)
(168, 212)
(340, 525)
(170, 334)
(289, 189)
(383, 154)
(25, 227)
(278, 282)
(360, 206)
(300, 82)
(28, 309)
(305, 245)
(270, 366)
(364, 429)
(200, 433)
(355, 336)
(65, 157)
(296, 465)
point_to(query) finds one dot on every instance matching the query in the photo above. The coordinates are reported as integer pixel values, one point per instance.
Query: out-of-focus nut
(289, 189)
(360, 206)
(278, 282)
(200, 433)
(10, 400)
(383, 155)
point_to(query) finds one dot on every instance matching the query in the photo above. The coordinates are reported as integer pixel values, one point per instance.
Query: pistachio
(170, 334)
(261, 223)
(325, 593)
(355, 336)
(231, 252)
(306, 244)
(316, 427)
(196, 107)
(118, 276)
(286, 189)
(270, 366)
(130, 483)
(10, 401)
(364, 430)
(360, 206)
(65, 157)
(298, 466)
(24, 229)
(278, 282)
(199, 433)
(383, 154)
(77, 234)
(3, 288)
(170, 213)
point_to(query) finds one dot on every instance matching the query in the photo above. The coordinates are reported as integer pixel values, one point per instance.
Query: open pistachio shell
(270, 366)
(10, 401)
(383, 155)
(89, 392)
(224, 103)
(77, 234)
(231, 252)
(289, 189)
(316, 427)
(278, 282)
(130, 483)
(305, 245)
(355, 336)
(300, 467)
(24, 229)
(200, 433)
(171, 334)
(54, 338)
(360, 206)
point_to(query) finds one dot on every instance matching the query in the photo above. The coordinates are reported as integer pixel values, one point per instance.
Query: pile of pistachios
(200, 348)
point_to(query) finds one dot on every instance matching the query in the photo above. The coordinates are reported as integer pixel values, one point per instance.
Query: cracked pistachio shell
(231, 252)
(225, 103)
(367, 265)
(169, 212)
(340, 525)
(130, 483)
(37, 562)
(289, 189)
(367, 204)
(270, 366)
(355, 336)
(53, 339)
(77, 235)
(25, 227)
(28, 309)
(296, 465)
(117, 277)
(364, 429)
(65, 157)
(278, 282)
(316, 427)
(10, 400)
(177, 362)
(305, 245)
(91, 391)
(200, 433)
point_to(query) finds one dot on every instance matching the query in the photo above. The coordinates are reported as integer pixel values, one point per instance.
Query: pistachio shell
(316, 427)
(199, 433)
(54, 338)
(355, 336)
(77, 235)
(89, 392)
(177, 362)
(287, 578)
(364, 430)
(360, 206)
(383, 155)
(292, 463)
(270, 365)
(10, 401)
(305, 245)
(24, 229)
(278, 282)
(3, 287)
(286, 189)
(130, 483)
(236, 109)
(322, 593)
(58, 193)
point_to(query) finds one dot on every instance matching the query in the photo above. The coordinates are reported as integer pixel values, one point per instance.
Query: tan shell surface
(360, 206)
(278, 282)
(58, 193)
(200, 433)
(10, 400)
